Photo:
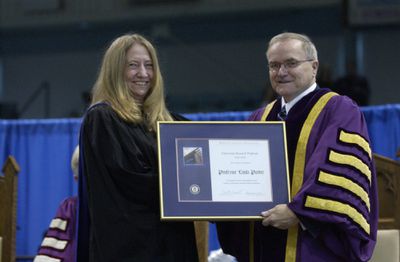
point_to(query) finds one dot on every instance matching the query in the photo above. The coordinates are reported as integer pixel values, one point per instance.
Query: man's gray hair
(308, 45)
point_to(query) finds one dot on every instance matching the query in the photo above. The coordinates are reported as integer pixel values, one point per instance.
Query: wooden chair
(388, 240)
(388, 176)
(8, 209)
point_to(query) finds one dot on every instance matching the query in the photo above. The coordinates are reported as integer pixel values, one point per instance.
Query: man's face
(290, 70)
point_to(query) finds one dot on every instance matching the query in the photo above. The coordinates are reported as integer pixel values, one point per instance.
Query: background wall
(212, 52)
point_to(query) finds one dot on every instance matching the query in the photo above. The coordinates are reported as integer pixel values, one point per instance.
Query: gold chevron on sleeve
(54, 243)
(357, 140)
(346, 184)
(59, 223)
(340, 208)
(346, 159)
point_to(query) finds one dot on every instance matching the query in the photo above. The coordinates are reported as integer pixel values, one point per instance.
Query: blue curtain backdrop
(43, 149)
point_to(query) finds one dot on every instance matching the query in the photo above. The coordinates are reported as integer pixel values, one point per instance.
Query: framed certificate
(221, 170)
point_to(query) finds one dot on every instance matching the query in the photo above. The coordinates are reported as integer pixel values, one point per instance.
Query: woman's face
(139, 72)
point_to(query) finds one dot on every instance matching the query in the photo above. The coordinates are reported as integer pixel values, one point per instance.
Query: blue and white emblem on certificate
(195, 189)
(221, 170)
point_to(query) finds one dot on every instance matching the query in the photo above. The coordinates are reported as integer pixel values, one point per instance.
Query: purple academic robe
(59, 242)
(333, 187)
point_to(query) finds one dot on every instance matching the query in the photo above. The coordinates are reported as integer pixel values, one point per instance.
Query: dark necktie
(282, 114)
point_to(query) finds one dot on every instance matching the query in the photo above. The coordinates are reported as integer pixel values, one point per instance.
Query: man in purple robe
(333, 212)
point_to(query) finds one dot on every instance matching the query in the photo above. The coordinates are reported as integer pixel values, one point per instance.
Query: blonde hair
(75, 162)
(111, 86)
(308, 46)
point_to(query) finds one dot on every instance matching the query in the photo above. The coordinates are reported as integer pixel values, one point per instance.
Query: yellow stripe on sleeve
(346, 184)
(54, 243)
(59, 223)
(350, 160)
(338, 207)
(44, 258)
(357, 140)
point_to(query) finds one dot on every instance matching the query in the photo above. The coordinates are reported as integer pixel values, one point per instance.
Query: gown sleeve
(339, 190)
(58, 243)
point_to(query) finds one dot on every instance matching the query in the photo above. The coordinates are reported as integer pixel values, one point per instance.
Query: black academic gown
(120, 172)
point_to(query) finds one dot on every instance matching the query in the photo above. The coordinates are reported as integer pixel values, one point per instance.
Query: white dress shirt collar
(297, 98)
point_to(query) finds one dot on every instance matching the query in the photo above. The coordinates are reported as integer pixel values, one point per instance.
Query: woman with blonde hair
(119, 179)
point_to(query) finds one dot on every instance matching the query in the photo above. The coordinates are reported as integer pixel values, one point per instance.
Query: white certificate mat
(240, 170)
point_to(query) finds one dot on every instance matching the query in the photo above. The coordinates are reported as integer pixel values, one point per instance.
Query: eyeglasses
(288, 64)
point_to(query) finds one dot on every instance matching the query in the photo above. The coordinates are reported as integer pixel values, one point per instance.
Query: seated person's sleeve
(58, 243)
